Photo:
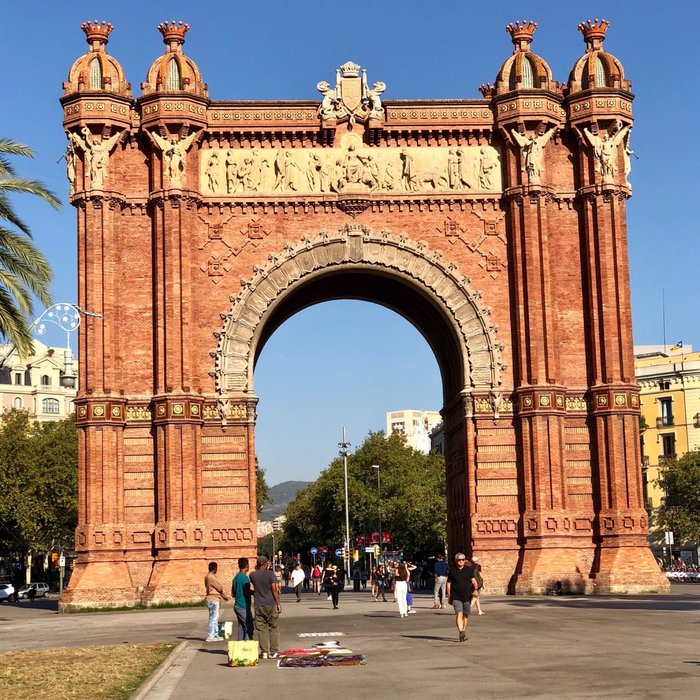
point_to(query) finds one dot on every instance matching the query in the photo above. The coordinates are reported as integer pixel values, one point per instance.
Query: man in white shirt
(297, 578)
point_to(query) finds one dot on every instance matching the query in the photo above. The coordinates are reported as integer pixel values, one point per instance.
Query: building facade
(34, 383)
(669, 380)
(496, 225)
(415, 426)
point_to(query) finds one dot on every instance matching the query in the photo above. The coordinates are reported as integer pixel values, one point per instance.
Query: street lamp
(379, 497)
(344, 452)
(67, 318)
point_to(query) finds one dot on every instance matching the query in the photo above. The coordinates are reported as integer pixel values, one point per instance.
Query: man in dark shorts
(266, 592)
(460, 586)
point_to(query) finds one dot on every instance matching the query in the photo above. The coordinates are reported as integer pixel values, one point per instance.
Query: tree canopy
(413, 506)
(23, 269)
(680, 480)
(38, 482)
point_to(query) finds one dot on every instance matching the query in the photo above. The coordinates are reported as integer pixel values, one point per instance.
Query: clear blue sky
(346, 363)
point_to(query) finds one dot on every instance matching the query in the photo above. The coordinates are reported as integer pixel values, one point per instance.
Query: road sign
(338, 552)
(369, 550)
(669, 537)
(314, 551)
(61, 561)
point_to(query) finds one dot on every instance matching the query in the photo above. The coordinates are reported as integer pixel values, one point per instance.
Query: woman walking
(316, 579)
(476, 602)
(401, 588)
(331, 583)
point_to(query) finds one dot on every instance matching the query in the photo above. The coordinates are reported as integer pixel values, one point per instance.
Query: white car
(40, 590)
(7, 591)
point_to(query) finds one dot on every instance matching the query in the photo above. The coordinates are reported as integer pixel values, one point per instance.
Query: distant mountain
(282, 495)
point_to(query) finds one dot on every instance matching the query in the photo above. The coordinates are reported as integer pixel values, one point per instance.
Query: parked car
(7, 592)
(33, 590)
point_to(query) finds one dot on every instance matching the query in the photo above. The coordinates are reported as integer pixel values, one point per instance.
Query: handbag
(243, 653)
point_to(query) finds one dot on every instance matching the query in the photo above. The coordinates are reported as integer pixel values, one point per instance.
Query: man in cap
(266, 594)
(460, 586)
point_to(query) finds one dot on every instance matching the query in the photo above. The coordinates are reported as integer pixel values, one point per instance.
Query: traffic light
(344, 553)
(376, 550)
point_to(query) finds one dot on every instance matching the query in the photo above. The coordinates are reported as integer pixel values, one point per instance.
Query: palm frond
(7, 212)
(13, 324)
(17, 184)
(15, 148)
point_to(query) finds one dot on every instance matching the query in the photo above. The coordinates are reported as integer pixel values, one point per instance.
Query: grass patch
(72, 673)
(137, 606)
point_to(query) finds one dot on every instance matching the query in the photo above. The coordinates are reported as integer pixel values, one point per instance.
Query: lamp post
(379, 497)
(67, 318)
(344, 452)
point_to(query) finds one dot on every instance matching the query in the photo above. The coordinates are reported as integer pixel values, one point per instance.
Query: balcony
(664, 422)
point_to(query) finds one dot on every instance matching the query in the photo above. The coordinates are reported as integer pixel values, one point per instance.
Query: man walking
(241, 592)
(441, 569)
(460, 586)
(214, 595)
(266, 592)
(298, 577)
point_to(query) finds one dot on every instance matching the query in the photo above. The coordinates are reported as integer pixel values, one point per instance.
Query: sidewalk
(569, 647)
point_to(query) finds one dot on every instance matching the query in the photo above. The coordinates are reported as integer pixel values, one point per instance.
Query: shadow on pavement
(50, 604)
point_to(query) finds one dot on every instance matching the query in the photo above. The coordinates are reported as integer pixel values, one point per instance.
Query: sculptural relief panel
(352, 168)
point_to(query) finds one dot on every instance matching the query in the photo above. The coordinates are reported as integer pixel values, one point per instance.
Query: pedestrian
(331, 582)
(268, 607)
(297, 577)
(214, 595)
(363, 579)
(440, 571)
(401, 588)
(460, 586)
(380, 582)
(476, 596)
(356, 577)
(241, 593)
(316, 579)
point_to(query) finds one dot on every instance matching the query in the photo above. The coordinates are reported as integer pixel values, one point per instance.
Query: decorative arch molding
(356, 247)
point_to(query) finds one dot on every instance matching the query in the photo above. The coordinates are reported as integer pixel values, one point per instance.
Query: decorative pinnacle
(521, 33)
(97, 34)
(594, 32)
(173, 32)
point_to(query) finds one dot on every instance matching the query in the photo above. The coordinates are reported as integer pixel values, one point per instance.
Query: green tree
(38, 482)
(23, 269)
(262, 490)
(680, 481)
(413, 506)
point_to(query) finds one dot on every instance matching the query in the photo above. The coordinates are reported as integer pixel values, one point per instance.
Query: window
(398, 427)
(95, 74)
(18, 379)
(668, 446)
(18, 403)
(665, 385)
(45, 380)
(173, 75)
(666, 412)
(50, 406)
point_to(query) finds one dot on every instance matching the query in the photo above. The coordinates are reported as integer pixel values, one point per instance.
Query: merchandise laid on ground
(329, 653)
(322, 654)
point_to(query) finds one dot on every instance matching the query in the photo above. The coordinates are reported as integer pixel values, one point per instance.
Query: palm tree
(23, 269)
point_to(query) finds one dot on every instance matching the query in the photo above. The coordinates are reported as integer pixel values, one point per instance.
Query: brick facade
(496, 225)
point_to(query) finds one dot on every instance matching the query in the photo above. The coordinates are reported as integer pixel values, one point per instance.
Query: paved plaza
(540, 647)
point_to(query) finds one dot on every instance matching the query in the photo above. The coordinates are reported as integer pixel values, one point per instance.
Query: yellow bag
(243, 653)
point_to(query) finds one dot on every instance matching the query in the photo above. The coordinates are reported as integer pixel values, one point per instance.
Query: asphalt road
(540, 647)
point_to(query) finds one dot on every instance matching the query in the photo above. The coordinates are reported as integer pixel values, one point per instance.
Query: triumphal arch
(496, 225)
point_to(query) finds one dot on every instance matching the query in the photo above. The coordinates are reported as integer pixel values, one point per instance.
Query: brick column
(623, 561)
(549, 552)
(101, 574)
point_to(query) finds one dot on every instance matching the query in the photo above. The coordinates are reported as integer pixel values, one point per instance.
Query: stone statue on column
(96, 151)
(532, 150)
(174, 152)
(605, 151)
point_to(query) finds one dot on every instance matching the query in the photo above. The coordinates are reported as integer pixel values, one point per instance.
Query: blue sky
(347, 363)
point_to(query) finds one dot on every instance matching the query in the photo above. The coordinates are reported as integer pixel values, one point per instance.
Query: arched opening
(95, 74)
(342, 363)
(173, 81)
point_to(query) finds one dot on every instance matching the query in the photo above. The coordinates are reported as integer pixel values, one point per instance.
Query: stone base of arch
(540, 568)
(627, 569)
(99, 585)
